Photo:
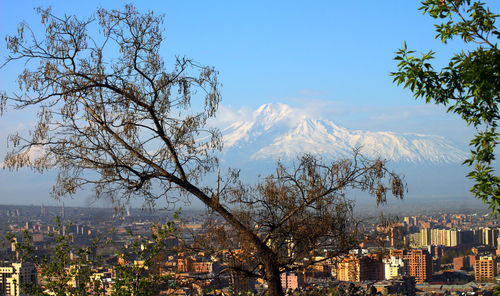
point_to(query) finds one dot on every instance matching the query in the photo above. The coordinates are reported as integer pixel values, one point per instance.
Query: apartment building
(14, 275)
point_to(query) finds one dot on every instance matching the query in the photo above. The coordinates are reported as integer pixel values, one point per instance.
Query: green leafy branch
(469, 86)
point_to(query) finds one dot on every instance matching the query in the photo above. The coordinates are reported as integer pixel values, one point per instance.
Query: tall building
(357, 269)
(444, 237)
(465, 236)
(419, 263)
(435, 251)
(413, 240)
(484, 269)
(291, 281)
(395, 267)
(462, 263)
(14, 276)
(42, 211)
(397, 233)
(452, 238)
(486, 236)
(425, 237)
(498, 247)
(348, 270)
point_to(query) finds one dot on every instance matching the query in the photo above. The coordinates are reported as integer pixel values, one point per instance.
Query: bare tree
(112, 116)
(300, 215)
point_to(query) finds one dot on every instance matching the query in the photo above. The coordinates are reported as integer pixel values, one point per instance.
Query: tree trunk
(271, 269)
(274, 286)
(272, 276)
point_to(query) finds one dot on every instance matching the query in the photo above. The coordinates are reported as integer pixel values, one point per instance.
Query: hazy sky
(330, 57)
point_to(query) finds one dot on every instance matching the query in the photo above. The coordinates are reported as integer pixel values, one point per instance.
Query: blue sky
(332, 56)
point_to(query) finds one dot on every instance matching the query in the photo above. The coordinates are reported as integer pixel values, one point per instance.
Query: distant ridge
(280, 131)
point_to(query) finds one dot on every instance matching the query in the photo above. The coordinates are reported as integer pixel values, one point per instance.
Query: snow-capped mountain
(280, 131)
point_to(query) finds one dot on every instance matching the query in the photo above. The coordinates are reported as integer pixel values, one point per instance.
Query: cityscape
(237, 148)
(436, 253)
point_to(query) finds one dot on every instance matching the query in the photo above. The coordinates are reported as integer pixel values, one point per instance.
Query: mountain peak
(268, 114)
(273, 108)
(280, 131)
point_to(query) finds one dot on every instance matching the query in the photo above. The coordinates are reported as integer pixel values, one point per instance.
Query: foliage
(496, 292)
(469, 85)
(449, 254)
(109, 105)
(112, 116)
(60, 271)
(70, 271)
(140, 274)
(300, 213)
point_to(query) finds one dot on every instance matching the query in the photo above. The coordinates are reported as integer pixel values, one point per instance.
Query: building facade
(485, 269)
(419, 263)
(14, 276)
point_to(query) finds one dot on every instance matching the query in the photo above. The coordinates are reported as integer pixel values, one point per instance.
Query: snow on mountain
(280, 131)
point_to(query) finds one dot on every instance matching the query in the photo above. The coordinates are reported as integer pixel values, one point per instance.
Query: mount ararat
(431, 165)
(279, 131)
